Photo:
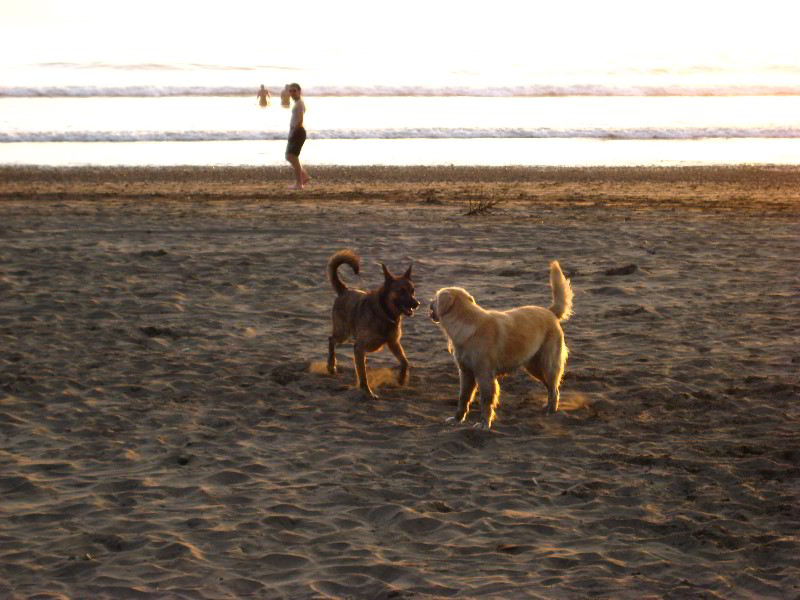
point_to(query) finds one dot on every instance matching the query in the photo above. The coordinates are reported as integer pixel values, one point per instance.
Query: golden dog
(488, 343)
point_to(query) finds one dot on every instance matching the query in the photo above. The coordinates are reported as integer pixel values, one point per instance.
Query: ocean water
(187, 114)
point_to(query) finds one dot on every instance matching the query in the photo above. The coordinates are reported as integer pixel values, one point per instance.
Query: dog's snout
(432, 311)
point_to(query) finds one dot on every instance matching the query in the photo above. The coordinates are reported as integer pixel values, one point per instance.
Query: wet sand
(169, 431)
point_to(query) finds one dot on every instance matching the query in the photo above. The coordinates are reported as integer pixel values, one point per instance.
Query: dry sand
(168, 430)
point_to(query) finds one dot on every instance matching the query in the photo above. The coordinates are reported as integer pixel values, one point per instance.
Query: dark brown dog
(370, 319)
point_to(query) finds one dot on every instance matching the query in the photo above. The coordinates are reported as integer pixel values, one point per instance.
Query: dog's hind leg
(332, 355)
(465, 396)
(360, 357)
(490, 396)
(534, 368)
(340, 334)
(555, 359)
(552, 398)
(397, 350)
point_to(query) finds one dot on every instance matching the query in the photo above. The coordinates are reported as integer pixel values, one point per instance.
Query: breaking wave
(406, 133)
(531, 91)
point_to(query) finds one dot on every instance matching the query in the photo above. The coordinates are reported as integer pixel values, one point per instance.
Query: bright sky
(410, 34)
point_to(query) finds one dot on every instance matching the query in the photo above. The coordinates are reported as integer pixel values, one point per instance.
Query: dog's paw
(452, 421)
(481, 425)
(549, 410)
(369, 394)
(332, 370)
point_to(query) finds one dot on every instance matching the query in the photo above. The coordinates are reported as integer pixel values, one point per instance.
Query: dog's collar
(385, 308)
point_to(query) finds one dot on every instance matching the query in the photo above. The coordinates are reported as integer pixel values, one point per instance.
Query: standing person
(263, 96)
(285, 96)
(297, 136)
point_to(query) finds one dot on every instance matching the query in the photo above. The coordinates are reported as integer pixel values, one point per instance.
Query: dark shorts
(296, 141)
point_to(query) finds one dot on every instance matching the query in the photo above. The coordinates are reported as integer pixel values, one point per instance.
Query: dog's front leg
(360, 355)
(465, 396)
(490, 393)
(397, 350)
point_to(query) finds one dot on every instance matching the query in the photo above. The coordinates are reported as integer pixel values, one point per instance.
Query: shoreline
(410, 173)
(738, 187)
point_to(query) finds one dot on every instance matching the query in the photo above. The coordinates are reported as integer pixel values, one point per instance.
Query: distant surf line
(527, 91)
(684, 133)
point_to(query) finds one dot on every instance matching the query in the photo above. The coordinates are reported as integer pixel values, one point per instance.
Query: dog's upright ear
(407, 274)
(444, 302)
(387, 275)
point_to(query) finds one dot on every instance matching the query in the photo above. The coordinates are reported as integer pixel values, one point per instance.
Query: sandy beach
(169, 429)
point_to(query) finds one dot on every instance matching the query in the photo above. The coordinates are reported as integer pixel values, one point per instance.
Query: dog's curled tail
(343, 256)
(562, 293)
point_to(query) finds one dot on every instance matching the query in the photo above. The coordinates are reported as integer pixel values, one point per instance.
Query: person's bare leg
(294, 160)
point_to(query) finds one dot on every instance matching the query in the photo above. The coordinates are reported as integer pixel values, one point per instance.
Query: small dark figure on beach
(297, 137)
(263, 96)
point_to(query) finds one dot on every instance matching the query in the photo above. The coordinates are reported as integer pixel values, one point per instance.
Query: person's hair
(297, 85)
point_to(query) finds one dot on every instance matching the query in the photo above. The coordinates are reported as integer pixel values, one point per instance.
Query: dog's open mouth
(432, 314)
(407, 311)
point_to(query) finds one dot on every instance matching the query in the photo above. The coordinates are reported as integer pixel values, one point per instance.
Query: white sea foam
(686, 133)
(525, 91)
(66, 113)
